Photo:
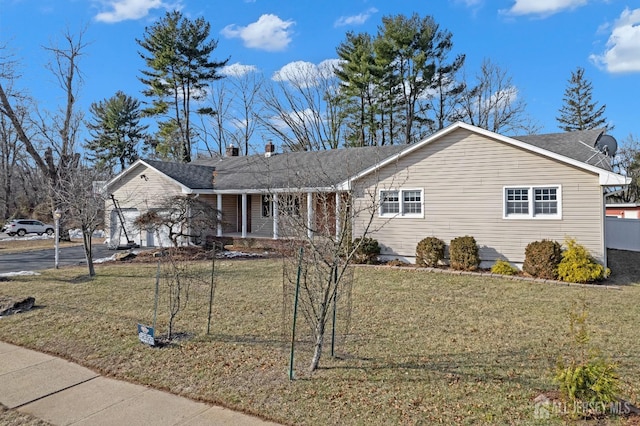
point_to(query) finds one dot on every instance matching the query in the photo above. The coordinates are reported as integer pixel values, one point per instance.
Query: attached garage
(119, 236)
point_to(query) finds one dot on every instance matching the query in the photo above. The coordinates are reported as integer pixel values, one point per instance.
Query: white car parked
(22, 227)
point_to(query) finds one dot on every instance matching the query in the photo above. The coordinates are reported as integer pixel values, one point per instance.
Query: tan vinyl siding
(229, 213)
(260, 226)
(463, 176)
(141, 189)
(145, 192)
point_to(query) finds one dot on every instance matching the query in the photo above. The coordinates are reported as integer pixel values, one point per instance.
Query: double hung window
(532, 202)
(402, 203)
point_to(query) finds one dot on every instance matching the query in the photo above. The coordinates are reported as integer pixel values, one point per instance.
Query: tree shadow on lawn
(499, 366)
(247, 339)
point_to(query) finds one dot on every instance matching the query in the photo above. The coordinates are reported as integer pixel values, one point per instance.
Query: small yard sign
(145, 334)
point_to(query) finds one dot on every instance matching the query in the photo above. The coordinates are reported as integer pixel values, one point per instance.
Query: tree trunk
(86, 242)
(317, 350)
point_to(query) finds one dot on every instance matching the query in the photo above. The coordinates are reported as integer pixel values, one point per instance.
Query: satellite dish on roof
(607, 145)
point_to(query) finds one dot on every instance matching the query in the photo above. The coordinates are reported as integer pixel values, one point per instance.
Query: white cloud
(237, 70)
(622, 53)
(543, 7)
(298, 73)
(305, 74)
(123, 10)
(356, 19)
(268, 33)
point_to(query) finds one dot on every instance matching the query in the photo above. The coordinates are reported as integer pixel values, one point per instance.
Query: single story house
(463, 180)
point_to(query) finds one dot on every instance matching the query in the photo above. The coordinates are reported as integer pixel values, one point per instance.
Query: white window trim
(402, 214)
(531, 197)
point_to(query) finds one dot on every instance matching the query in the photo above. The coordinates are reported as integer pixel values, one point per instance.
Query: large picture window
(532, 202)
(401, 203)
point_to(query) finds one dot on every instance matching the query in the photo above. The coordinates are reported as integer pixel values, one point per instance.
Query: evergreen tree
(115, 130)
(399, 85)
(177, 54)
(445, 89)
(579, 111)
(359, 75)
(404, 49)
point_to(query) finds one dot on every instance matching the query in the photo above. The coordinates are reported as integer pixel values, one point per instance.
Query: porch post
(219, 207)
(244, 215)
(338, 200)
(276, 216)
(310, 218)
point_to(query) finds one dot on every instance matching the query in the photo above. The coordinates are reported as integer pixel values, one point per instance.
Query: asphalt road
(45, 259)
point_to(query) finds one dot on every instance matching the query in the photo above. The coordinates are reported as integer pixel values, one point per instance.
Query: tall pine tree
(177, 53)
(579, 111)
(360, 76)
(115, 130)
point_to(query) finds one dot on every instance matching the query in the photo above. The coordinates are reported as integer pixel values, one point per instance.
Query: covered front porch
(279, 214)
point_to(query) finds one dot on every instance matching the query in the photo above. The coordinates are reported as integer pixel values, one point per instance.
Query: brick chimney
(269, 149)
(232, 151)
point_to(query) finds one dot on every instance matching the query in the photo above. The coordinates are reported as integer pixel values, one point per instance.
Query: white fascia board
(123, 174)
(613, 179)
(606, 178)
(131, 168)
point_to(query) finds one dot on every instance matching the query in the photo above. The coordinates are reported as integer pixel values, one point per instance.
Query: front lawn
(415, 347)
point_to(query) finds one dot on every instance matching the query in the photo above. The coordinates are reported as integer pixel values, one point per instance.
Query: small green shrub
(577, 265)
(366, 250)
(585, 378)
(429, 252)
(463, 254)
(594, 381)
(541, 259)
(503, 267)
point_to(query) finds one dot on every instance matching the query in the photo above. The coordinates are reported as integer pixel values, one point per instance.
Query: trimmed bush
(463, 253)
(577, 265)
(429, 252)
(503, 267)
(541, 259)
(366, 250)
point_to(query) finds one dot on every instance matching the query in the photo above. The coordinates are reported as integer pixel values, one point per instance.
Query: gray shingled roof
(579, 145)
(190, 175)
(313, 169)
(325, 169)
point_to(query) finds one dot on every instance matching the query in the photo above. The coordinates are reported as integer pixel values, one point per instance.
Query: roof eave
(613, 179)
(185, 189)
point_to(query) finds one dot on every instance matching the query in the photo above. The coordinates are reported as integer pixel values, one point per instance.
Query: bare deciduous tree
(235, 100)
(80, 198)
(182, 218)
(494, 103)
(55, 133)
(301, 107)
(627, 162)
(322, 224)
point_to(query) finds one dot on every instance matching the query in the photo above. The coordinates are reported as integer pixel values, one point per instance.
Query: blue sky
(538, 42)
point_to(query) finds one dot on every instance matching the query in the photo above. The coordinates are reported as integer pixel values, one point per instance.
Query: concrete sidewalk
(63, 393)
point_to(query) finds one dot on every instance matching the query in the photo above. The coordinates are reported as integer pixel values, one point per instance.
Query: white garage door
(119, 235)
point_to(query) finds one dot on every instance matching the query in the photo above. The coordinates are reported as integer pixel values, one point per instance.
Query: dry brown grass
(19, 246)
(422, 348)
(16, 418)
